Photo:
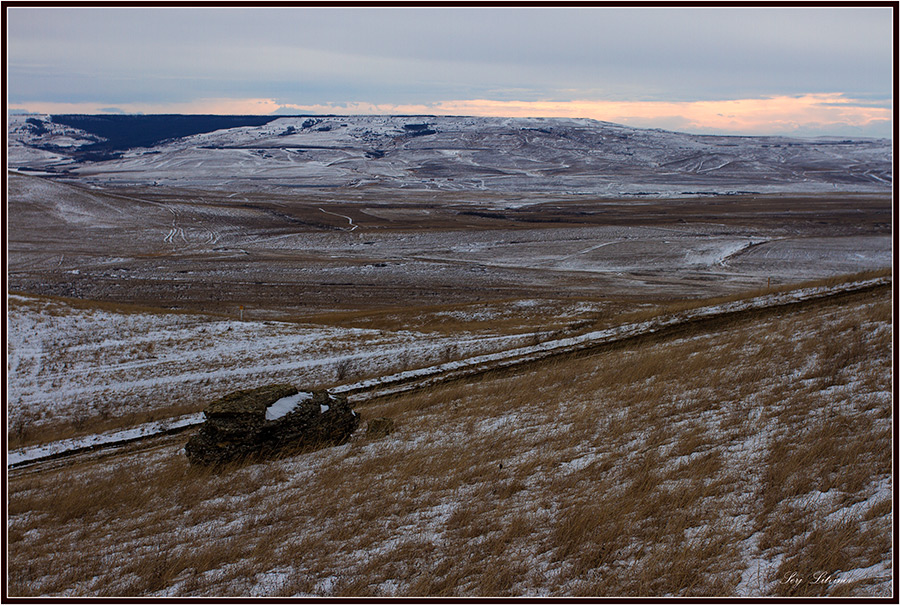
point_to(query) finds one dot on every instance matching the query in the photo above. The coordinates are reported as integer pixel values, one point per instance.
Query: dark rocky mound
(266, 421)
(418, 130)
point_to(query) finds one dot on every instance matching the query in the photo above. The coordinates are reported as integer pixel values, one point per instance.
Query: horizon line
(828, 114)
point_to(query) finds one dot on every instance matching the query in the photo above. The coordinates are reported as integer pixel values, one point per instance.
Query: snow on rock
(285, 405)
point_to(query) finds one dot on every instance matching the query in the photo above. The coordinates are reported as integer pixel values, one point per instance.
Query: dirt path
(353, 226)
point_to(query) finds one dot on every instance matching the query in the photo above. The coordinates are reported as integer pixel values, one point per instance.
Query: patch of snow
(326, 585)
(881, 491)
(760, 567)
(388, 587)
(581, 462)
(270, 582)
(879, 571)
(493, 424)
(286, 405)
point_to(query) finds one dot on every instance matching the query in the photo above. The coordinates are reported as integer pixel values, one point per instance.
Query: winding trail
(353, 226)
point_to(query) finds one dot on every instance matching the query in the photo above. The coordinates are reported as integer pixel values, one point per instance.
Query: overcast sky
(775, 70)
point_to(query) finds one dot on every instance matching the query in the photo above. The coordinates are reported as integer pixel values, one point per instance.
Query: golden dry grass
(503, 316)
(669, 467)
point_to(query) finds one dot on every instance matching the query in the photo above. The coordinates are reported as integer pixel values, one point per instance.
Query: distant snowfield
(599, 249)
(469, 154)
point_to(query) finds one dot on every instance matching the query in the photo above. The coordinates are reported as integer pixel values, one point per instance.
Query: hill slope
(764, 454)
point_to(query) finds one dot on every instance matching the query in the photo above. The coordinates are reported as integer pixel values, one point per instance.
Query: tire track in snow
(591, 249)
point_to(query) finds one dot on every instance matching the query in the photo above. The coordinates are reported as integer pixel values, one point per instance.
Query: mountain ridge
(462, 153)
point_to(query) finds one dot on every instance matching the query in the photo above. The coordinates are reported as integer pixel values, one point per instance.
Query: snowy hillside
(453, 153)
(757, 466)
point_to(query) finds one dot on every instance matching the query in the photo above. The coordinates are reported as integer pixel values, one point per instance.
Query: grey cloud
(411, 55)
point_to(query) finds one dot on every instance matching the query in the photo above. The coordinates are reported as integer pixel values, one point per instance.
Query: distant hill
(542, 155)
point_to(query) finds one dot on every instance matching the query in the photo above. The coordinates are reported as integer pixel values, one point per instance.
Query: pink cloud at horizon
(772, 115)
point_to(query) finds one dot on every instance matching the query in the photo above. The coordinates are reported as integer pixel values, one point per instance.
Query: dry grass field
(753, 458)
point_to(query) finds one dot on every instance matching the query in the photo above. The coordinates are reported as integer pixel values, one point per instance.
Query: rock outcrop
(265, 421)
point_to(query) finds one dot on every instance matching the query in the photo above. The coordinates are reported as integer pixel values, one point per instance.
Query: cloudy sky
(770, 70)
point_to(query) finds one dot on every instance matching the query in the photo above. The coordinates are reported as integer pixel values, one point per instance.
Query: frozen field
(392, 373)
(66, 364)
